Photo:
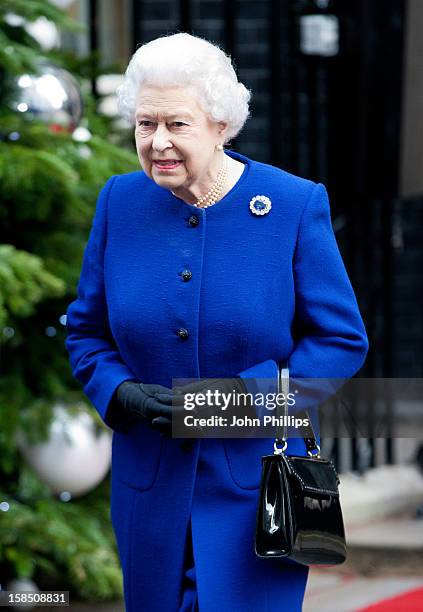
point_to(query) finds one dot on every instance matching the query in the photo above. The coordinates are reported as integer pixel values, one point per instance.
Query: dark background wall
(334, 117)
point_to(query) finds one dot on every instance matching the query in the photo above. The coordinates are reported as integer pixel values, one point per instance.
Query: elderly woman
(204, 264)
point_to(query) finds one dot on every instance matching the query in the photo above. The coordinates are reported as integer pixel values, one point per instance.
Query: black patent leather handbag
(299, 514)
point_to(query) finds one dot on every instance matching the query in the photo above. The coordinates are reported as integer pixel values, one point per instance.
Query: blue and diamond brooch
(260, 205)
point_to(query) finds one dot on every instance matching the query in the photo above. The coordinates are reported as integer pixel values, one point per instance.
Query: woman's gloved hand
(230, 394)
(157, 403)
(134, 401)
(220, 393)
(216, 386)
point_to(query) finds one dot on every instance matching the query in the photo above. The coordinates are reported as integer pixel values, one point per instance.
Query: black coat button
(193, 220)
(186, 275)
(183, 333)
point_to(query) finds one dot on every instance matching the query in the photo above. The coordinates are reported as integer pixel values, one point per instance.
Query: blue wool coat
(263, 289)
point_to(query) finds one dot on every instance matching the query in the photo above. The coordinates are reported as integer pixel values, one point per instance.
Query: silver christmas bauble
(52, 96)
(75, 459)
(22, 585)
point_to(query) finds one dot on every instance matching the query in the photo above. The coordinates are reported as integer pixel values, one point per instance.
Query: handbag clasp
(276, 449)
(311, 454)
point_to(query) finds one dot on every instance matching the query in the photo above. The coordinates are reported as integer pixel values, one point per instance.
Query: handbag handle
(307, 431)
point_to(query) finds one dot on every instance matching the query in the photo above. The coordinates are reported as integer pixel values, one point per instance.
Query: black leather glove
(133, 401)
(225, 386)
(157, 403)
(230, 387)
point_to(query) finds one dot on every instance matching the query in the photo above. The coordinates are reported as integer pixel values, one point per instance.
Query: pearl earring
(219, 147)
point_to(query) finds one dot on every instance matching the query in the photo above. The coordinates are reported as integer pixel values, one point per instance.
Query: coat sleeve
(331, 341)
(94, 357)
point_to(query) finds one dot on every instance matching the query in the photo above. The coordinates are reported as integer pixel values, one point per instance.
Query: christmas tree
(52, 166)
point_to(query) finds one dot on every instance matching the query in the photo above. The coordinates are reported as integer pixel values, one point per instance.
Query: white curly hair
(185, 60)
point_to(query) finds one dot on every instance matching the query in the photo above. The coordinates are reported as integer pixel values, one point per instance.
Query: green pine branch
(75, 548)
(19, 51)
(49, 184)
(24, 283)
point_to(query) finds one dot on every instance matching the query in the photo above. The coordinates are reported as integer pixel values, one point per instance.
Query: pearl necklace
(214, 192)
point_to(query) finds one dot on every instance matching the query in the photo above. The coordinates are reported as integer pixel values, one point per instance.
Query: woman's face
(172, 128)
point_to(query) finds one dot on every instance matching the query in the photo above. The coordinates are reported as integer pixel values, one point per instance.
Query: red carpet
(411, 601)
